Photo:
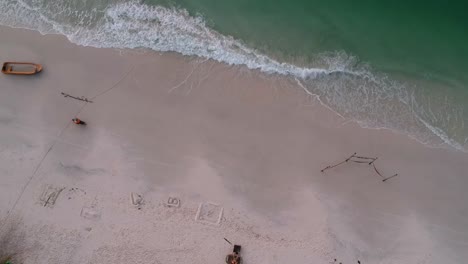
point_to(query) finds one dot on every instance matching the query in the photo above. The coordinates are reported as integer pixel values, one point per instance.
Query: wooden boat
(21, 68)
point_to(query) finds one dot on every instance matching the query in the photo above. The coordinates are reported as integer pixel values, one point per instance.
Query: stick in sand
(360, 159)
(338, 164)
(370, 163)
(352, 156)
(228, 241)
(390, 177)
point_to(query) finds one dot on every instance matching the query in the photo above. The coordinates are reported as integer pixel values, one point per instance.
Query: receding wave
(341, 82)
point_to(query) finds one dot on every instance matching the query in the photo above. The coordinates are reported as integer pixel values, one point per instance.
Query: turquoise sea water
(397, 64)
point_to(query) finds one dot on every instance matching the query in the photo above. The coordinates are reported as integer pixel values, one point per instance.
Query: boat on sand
(21, 68)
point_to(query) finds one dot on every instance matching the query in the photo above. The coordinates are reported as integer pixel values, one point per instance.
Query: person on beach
(78, 121)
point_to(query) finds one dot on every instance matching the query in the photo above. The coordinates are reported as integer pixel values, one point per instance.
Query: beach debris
(172, 202)
(394, 175)
(90, 213)
(234, 257)
(49, 195)
(209, 213)
(78, 121)
(228, 241)
(82, 98)
(361, 159)
(136, 199)
(335, 261)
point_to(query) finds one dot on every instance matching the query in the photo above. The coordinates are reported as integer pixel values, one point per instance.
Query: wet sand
(241, 151)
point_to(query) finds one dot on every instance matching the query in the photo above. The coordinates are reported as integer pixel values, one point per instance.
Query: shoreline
(165, 125)
(437, 138)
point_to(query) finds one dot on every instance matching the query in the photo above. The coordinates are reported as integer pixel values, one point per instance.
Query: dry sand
(247, 146)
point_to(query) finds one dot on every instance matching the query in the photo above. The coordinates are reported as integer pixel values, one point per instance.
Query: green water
(424, 38)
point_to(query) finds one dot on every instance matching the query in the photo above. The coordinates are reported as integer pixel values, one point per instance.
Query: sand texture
(179, 153)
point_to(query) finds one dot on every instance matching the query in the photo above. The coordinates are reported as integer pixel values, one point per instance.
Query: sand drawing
(90, 213)
(136, 199)
(172, 202)
(361, 159)
(49, 195)
(209, 213)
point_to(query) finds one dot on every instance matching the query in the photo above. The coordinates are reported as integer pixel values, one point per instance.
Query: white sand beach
(237, 154)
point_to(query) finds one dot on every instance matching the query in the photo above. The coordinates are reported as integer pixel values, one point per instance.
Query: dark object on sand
(21, 68)
(76, 98)
(234, 257)
(361, 159)
(78, 121)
